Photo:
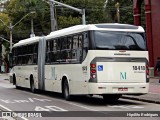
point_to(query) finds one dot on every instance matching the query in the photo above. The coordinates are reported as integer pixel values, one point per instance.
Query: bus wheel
(14, 82)
(14, 79)
(66, 94)
(111, 97)
(32, 87)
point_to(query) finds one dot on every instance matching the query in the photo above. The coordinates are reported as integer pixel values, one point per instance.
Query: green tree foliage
(17, 9)
(5, 18)
(125, 10)
(95, 13)
(64, 21)
(4, 30)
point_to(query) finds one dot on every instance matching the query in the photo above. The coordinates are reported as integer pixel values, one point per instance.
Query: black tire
(14, 82)
(66, 94)
(17, 87)
(111, 97)
(32, 87)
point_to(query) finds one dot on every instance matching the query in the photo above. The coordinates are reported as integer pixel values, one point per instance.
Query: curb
(140, 99)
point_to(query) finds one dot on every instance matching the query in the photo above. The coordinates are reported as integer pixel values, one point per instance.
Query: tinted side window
(77, 48)
(35, 53)
(53, 50)
(66, 50)
(85, 45)
(27, 54)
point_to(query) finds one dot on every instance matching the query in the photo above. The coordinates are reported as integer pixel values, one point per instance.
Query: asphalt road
(90, 108)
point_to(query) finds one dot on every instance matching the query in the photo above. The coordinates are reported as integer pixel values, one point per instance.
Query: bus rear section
(118, 76)
(118, 63)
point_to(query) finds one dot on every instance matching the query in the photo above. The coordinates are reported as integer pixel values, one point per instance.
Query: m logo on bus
(123, 75)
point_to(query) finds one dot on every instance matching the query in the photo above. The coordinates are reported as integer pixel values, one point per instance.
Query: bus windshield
(119, 41)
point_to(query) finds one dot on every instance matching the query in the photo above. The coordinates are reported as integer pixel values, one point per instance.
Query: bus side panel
(77, 79)
(23, 74)
(52, 78)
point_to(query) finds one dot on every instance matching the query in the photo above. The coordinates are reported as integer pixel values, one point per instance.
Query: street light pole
(117, 12)
(10, 27)
(32, 29)
(83, 17)
(105, 4)
(81, 11)
(52, 13)
(10, 30)
(53, 26)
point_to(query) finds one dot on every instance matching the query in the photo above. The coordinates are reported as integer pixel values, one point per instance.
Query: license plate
(122, 89)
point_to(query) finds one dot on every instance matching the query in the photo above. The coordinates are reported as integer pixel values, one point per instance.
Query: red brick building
(152, 15)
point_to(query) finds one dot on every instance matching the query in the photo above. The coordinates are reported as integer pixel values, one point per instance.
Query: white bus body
(101, 59)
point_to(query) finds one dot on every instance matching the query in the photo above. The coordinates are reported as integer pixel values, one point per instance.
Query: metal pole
(32, 29)
(117, 12)
(56, 25)
(81, 11)
(52, 15)
(83, 17)
(32, 26)
(67, 6)
(5, 40)
(105, 4)
(10, 29)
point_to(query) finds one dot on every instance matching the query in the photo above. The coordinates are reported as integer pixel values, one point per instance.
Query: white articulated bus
(97, 59)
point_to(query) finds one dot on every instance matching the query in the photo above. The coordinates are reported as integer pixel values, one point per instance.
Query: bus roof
(104, 27)
(82, 28)
(27, 41)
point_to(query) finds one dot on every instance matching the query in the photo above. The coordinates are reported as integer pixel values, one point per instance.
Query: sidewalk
(154, 93)
(4, 76)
